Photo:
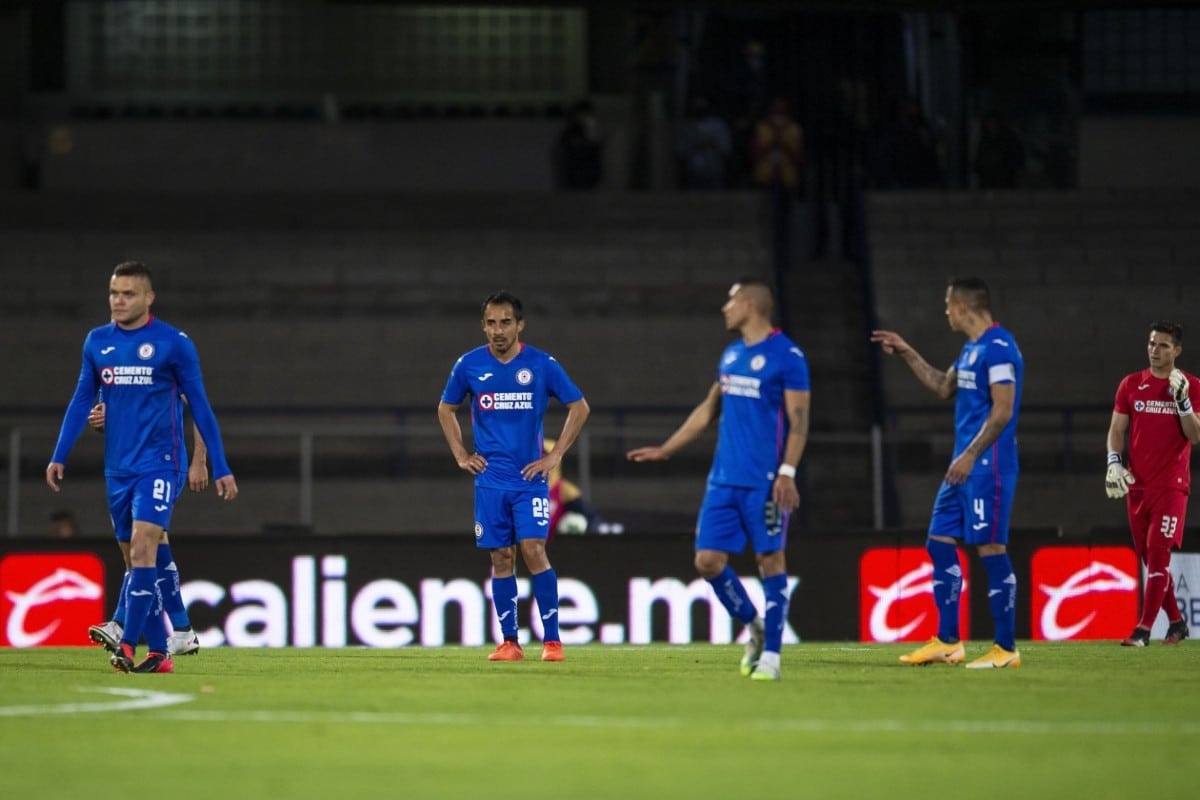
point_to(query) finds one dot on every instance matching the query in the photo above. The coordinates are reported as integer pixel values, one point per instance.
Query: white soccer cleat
(107, 634)
(183, 643)
(754, 646)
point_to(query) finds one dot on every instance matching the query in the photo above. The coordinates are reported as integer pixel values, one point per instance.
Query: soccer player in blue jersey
(183, 640)
(142, 366)
(510, 384)
(975, 499)
(762, 399)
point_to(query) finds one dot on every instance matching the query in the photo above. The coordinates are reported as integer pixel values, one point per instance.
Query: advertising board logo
(896, 596)
(50, 599)
(1083, 592)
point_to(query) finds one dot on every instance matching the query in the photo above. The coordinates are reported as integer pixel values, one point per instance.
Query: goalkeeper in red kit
(1153, 409)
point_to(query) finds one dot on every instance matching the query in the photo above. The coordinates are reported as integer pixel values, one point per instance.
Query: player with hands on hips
(508, 386)
(1153, 413)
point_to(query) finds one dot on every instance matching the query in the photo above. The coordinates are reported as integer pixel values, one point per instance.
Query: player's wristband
(1114, 457)
(1184, 406)
(787, 471)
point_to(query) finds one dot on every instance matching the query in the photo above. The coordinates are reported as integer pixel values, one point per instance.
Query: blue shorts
(730, 515)
(975, 512)
(504, 517)
(145, 498)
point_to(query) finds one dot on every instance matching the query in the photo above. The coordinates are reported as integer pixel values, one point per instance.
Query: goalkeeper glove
(1117, 479)
(1179, 391)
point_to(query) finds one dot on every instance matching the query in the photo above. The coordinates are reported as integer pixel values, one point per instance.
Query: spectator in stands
(511, 384)
(1154, 408)
(777, 150)
(704, 148)
(762, 378)
(62, 525)
(999, 156)
(906, 154)
(579, 152)
(975, 499)
(748, 104)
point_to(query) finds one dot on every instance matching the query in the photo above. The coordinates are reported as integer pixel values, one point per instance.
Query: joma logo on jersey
(49, 599)
(506, 401)
(127, 376)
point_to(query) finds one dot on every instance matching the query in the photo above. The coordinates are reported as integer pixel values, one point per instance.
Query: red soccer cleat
(552, 651)
(508, 651)
(155, 662)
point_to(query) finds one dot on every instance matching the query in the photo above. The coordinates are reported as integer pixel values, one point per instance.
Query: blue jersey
(753, 429)
(992, 358)
(140, 376)
(507, 406)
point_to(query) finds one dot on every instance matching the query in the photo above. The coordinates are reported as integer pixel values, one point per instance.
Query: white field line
(136, 700)
(799, 725)
(160, 703)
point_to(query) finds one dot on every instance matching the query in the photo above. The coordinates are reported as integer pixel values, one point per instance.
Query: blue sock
(122, 598)
(504, 596)
(947, 586)
(732, 594)
(775, 593)
(1002, 597)
(143, 596)
(155, 632)
(545, 591)
(168, 584)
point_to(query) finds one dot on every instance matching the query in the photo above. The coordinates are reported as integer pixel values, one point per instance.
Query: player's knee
(709, 563)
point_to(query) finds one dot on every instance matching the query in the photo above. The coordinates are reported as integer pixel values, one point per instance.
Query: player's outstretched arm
(700, 418)
(943, 384)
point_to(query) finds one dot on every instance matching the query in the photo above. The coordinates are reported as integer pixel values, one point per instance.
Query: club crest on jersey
(145, 351)
(758, 362)
(1139, 405)
(973, 357)
(524, 377)
(478, 531)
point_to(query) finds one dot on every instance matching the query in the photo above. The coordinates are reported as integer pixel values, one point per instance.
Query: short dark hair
(500, 298)
(972, 291)
(759, 291)
(133, 269)
(1172, 329)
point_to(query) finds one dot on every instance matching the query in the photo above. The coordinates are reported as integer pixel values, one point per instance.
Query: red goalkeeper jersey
(1159, 453)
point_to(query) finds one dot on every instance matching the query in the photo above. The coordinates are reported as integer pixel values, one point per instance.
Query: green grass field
(1077, 720)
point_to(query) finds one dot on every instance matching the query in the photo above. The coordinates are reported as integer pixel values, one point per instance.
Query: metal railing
(1052, 436)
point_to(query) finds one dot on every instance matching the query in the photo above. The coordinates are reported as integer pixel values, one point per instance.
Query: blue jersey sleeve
(561, 386)
(795, 375)
(75, 418)
(191, 385)
(1001, 364)
(456, 385)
